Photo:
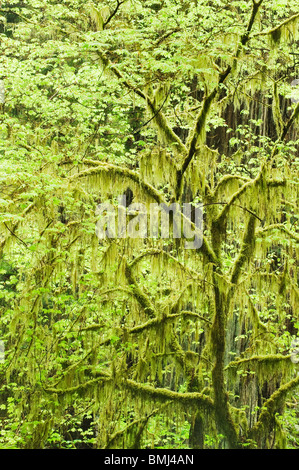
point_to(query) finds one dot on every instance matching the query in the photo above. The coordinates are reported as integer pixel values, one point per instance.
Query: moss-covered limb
(209, 253)
(258, 360)
(187, 361)
(151, 323)
(74, 366)
(275, 31)
(149, 252)
(184, 267)
(197, 131)
(159, 118)
(255, 315)
(246, 250)
(255, 8)
(200, 123)
(103, 377)
(163, 394)
(206, 250)
(264, 231)
(136, 423)
(164, 129)
(15, 226)
(224, 212)
(249, 184)
(140, 296)
(179, 353)
(107, 63)
(166, 318)
(236, 205)
(125, 173)
(273, 405)
(227, 179)
(286, 127)
(187, 313)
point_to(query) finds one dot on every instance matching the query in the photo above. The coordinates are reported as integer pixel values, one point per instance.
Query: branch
(198, 129)
(151, 190)
(190, 314)
(62, 391)
(236, 205)
(124, 172)
(255, 314)
(270, 407)
(163, 394)
(226, 179)
(270, 358)
(202, 116)
(15, 226)
(113, 13)
(141, 422)
(16, 236)
(278, 227)
(154, 251)
(140, 296)
(246, 250)
(159, 117)
(276, 28)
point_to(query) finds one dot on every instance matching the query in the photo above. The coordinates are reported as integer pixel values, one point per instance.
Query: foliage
(129, 342)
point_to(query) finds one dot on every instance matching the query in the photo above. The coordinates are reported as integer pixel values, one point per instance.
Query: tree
(166, 102)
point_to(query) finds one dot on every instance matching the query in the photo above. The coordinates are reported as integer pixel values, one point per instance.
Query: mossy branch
(159, 117)
(274, 32)
(286, 127)
(270, 408)
(117, 170)
(201, 119)
(140, 296)
(90, 383)
(260, 360)
(149, 252)
(163, 394)
(282, 227)
(255, 315)
(246, 251)
(187, 313)
(137, 422)
(14, 228)
(166, 318)
(249, 184)
(226, 180)
(197, 131)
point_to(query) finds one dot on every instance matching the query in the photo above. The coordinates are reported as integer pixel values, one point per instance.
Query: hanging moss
(266, 367)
